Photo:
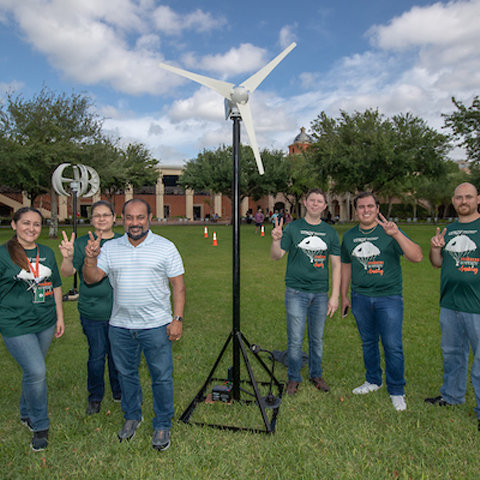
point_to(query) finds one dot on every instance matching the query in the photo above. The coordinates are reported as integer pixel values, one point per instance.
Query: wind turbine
(236, 107)
(237, 96)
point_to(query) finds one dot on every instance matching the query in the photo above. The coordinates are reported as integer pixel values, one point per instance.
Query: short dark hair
(365, 195)
(103, 203)
(140, 200)
(318, 191)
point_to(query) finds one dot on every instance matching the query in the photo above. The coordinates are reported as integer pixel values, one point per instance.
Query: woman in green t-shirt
(31, 313)
(95, 306)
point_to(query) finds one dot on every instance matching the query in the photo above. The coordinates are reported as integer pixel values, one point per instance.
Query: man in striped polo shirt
(140, 265)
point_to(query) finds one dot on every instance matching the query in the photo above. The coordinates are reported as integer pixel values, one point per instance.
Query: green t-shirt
(28, 305)
(308, 248)
(95, 300)
(460, 278)
(375, 261)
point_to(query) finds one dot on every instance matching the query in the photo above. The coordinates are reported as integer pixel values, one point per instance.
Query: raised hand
(67, 246)
(92, 250)
(277, 232)
(438, 241)
(391, 228)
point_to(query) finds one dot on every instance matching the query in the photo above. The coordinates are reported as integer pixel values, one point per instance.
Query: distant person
(95, 306)
(371, 254)
(140, 266)
(309, 242)
(274, 218)
(456, 250)
(259, 219)
(288, 218)
(31, 313)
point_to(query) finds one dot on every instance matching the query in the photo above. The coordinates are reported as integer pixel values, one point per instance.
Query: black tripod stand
(239, 342)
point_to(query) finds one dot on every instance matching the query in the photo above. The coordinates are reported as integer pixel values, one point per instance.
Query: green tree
(212, 171)
(465, 123)
(39, 134)
(303, 175)
(120, 166)
(366, 151)
(438, 192)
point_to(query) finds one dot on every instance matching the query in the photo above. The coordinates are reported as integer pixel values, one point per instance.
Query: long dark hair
(15, 250)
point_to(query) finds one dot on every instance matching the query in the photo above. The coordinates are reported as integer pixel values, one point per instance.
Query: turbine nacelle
(239, 95)
(236, 97)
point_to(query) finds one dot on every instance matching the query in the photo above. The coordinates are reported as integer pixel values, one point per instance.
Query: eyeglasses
(98, 216)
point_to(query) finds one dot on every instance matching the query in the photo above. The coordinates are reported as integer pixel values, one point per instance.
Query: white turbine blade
(248, 122)
(256, 79)
(223, 88)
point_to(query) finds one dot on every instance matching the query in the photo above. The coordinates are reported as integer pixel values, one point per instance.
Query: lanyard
(35, 271)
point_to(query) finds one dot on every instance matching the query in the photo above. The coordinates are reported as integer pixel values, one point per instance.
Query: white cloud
(90, 42)
(204, 104)
(13, 86)
(443, 37)
(287, 35)
(245, 58)
(172, 23)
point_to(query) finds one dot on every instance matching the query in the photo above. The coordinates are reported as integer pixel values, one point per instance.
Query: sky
(351, 55)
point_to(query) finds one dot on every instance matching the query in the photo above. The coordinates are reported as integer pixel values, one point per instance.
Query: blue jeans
(381, 317)
(127, 346)
(99, 348)
(313, 307)
(459, 331)
(29, 351)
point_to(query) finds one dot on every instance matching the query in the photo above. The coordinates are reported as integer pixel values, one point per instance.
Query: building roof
(302, 137)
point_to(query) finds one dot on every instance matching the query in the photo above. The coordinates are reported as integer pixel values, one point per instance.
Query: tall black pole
(236, 255)
(74, 216)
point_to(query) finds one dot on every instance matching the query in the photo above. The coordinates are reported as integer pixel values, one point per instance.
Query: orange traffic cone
(214, 239)
(205, 234)
(263, 231)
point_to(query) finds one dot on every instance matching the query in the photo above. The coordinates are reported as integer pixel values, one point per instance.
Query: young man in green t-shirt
(309, 243)
(456, 250)
(371, 254)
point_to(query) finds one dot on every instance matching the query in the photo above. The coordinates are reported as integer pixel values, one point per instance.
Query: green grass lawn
(318, 435)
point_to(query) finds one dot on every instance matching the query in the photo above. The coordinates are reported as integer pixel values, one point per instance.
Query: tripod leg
(200, 396)
(254, 383)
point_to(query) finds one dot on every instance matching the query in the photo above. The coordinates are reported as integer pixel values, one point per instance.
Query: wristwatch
(176, 317)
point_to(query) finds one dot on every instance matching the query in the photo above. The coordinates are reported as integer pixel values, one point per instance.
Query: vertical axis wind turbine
(236, 107)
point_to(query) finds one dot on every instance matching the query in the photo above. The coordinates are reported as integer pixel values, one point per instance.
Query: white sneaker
(367, 387)
(398, 402)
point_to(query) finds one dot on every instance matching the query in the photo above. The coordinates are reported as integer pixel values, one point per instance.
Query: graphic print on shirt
(366, 253)
(314, 248)
(41, 286)
(460, 247)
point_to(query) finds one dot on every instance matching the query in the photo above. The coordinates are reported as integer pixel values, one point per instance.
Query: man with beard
(140, 265)
(456, 250)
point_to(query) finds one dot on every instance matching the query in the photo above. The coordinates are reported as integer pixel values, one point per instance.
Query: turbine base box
(221, 393)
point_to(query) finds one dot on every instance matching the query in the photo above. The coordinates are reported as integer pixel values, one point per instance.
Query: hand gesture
(438, 241)
(277, 232)
(391, 228)
(332, 306)
(67, 246)
(92, 250)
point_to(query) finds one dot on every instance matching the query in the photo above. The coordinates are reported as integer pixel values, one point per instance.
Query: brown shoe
(320, 384)
(292, 387)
